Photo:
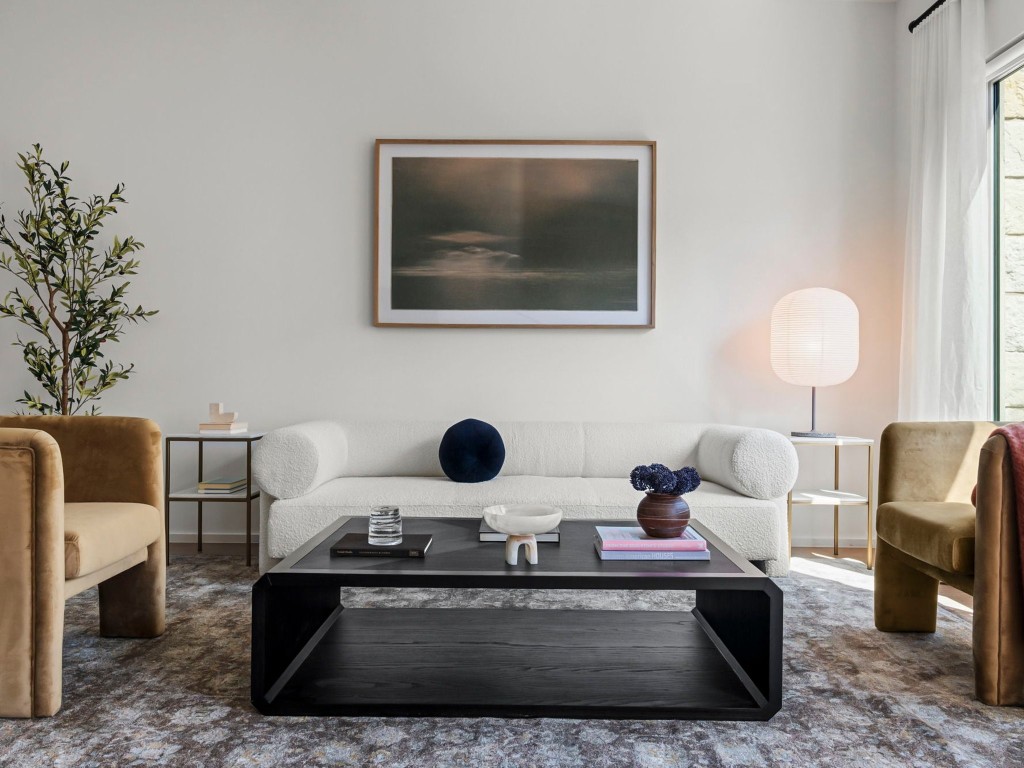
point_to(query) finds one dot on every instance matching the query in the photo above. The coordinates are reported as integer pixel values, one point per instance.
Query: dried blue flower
(634, 479)
(662, 478)
(687, 480)
(640, 478)
(657, 478)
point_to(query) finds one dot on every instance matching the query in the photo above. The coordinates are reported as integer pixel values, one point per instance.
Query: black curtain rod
(931, 9)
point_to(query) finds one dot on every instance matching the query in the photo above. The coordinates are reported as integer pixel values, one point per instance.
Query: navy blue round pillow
(471, 451)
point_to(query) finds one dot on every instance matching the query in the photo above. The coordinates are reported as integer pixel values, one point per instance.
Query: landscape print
(515, 233)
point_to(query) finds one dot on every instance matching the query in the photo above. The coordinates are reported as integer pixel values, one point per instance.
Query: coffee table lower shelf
(509, 663)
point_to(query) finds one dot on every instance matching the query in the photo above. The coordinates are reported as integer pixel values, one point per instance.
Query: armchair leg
(906, 600)
(132, 603)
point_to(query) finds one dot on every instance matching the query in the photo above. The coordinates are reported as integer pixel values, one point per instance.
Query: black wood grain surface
(722, 661)
(527, 662)
(458, 559)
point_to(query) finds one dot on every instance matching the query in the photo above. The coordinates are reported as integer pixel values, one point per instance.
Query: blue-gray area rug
(853, 696)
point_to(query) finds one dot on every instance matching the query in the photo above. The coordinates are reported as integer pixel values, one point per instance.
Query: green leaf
(73, 303)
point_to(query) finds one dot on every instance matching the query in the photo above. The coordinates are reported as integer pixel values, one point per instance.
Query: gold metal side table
(247, 496)
(834, 497)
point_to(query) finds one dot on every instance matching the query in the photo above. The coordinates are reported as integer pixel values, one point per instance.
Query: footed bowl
(522, 519)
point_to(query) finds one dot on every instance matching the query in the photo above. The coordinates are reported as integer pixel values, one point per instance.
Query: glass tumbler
(385, 527)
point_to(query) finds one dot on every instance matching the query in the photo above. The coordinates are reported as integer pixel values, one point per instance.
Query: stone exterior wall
(1011, 247)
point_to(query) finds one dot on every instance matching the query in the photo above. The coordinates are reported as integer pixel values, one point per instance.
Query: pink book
(633, 539)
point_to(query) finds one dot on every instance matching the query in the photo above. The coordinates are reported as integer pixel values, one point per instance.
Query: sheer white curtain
(946, 351)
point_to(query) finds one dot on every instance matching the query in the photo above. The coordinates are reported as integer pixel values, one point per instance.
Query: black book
(358, 545)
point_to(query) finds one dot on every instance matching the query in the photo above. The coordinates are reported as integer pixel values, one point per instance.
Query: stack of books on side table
(233, 428)
(220, 422)
(631, 543)
(222, 485)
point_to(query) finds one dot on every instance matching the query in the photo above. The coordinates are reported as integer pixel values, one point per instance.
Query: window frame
(999, 67)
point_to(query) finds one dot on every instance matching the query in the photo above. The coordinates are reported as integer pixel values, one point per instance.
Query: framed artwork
(548, 234)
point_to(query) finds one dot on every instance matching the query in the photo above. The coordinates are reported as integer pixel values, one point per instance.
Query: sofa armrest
(998, 593)
(292, 461)
(758, 463)
(31, 573)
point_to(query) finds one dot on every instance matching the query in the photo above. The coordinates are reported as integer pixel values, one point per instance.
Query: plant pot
(663, 516)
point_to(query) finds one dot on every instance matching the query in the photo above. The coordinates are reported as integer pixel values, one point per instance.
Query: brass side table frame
(192, 494)
(834, 497)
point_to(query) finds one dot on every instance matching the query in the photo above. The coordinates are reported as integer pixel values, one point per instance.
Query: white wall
(244, 132)
(1004, 23)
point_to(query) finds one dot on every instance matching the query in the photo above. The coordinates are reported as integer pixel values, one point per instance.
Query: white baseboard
(213, 538)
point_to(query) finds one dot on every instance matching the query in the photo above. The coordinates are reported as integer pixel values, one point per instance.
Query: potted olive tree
(71, 291)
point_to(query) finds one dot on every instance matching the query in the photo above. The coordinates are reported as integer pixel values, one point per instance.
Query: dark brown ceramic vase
(663, 516)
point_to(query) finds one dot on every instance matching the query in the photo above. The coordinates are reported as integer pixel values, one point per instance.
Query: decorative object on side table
(662, 513)
(522, 523)
(54, 253)
(219, 422)
(815, 342)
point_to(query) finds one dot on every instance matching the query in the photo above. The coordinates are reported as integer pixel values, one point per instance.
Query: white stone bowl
(522, 519)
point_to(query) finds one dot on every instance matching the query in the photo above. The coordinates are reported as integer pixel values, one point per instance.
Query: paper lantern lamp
(815, 342)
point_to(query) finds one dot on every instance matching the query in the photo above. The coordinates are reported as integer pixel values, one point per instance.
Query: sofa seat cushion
(940, 533)
(754, 527)
(97, 534)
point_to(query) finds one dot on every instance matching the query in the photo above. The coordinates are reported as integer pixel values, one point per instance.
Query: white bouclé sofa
(314, 473)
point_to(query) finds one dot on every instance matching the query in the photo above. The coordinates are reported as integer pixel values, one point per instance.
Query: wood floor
(234, 549)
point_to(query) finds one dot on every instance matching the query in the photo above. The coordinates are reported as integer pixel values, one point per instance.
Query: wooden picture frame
(520, 233)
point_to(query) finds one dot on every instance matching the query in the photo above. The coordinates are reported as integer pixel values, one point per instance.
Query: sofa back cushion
(612, 450)
(552, 449)
(399, 448)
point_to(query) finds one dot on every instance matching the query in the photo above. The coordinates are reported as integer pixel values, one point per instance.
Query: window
(1008, 133)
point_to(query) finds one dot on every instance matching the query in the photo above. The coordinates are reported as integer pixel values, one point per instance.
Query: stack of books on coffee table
(631, 543)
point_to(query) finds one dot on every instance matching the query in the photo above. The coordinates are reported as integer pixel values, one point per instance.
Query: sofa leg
(132, 603)
(906, 600)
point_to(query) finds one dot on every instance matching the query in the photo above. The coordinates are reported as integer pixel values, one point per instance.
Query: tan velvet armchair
(80, 500)
(930, 532)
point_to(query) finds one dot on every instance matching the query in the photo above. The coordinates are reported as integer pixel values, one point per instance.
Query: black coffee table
(312, 656)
